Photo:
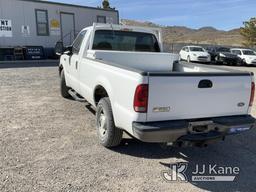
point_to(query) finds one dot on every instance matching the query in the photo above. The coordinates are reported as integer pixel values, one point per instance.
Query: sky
(221, 14)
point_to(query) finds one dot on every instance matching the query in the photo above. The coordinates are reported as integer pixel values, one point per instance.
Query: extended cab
(135, 87)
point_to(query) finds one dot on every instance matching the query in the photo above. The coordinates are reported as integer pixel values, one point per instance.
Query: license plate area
(200, 127)
(235, 130)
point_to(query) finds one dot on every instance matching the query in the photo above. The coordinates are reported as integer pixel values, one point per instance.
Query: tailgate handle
(203, 84)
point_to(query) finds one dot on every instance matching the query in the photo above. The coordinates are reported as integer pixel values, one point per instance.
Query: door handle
(204, 84)
(76, 64)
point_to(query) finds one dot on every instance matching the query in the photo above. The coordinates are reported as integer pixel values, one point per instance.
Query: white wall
(23, 13)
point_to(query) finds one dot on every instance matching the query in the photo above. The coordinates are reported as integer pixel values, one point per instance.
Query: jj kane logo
(180, 173)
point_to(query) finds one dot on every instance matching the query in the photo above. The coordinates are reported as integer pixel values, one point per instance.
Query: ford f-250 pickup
(135, 87)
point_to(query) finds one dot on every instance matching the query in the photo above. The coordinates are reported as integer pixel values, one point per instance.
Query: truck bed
(187, 90)
(156, 63)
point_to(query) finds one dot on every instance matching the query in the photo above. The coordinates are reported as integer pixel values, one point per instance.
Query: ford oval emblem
(241, 104)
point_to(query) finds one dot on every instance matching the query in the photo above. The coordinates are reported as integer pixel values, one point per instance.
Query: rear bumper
(172, 131)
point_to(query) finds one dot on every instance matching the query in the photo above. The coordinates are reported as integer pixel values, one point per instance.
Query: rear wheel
(109, 135)
(63, 87)
(216, 59)
(244, 62)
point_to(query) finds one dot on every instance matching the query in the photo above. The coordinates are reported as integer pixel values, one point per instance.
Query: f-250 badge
(161, 109)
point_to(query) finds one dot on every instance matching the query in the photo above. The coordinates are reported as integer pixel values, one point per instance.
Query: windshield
(248, 52)
(196, 49)
(223, 49)
(125, 41)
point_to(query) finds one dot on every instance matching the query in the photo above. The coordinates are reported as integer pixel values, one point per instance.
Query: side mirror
(59, 48)
(68, 50)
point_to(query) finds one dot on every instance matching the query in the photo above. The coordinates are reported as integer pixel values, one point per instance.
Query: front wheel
(188, 59)
(63, 87)
(244, 62)
(217, 60)
(109, 135)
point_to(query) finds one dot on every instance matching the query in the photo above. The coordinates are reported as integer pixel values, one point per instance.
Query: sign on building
(25, 30)
(5, 28)
(55, 27)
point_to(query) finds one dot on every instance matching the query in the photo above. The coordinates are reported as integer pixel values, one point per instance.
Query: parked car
(223, 55)
(136, 88)
(194, 54)
(248, 56)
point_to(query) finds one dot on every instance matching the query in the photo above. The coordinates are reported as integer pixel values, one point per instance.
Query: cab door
(74, 61)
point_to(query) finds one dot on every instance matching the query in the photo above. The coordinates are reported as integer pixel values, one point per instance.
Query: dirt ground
(48, 143)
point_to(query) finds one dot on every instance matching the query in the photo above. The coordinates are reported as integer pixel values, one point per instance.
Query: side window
(42, 22)
(78, 42)
(101, 19)
(237, 52)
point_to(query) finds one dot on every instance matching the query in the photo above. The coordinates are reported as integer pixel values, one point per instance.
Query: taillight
(252, 94)
(140, 103)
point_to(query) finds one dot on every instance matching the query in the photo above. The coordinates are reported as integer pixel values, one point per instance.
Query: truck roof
(242, 49)
(125, 28)
(194, 46)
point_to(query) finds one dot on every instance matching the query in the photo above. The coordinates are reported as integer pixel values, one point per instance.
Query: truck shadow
(237, 151)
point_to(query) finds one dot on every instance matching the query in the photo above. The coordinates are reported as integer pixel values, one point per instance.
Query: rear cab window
(125, 41)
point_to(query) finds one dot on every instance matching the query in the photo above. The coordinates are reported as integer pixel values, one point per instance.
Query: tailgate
(192, 96)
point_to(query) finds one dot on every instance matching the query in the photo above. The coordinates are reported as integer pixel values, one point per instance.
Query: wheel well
(99, 93)
(60, 69)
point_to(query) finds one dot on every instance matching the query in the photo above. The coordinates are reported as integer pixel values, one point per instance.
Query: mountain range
(204, 35)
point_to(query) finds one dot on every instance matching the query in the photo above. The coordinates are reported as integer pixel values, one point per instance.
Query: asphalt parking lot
(48, 143)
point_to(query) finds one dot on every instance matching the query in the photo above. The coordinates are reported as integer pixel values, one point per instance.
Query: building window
(101, 19)
(42, 22)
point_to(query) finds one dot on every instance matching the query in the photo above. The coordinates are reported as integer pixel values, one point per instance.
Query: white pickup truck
(135, 87)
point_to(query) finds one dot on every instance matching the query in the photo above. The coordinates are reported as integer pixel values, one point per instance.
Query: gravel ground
(48, 143)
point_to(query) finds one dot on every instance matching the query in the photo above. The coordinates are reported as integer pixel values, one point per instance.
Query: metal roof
(69, 5)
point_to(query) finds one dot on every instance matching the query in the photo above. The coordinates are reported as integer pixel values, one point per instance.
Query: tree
(105, 4)
(248, 31)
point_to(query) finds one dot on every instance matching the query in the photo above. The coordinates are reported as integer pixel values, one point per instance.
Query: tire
(216, 59)
(63, 87)
(244, 62)
(238, 64)
(188, 59)
(109, 135)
